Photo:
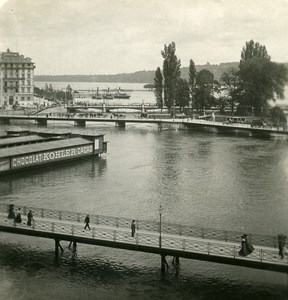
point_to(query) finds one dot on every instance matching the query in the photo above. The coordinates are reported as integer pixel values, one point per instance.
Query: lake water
(137, 92)
(201, 179)
(138, 95)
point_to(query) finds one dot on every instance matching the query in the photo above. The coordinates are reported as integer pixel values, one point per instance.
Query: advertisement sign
(50, 156)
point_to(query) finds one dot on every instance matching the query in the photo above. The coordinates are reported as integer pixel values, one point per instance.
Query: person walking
(87, 221)
(281, 244)
(29, 218)
(18, 218)
(246, 246)
(133, 228)
(11, 214)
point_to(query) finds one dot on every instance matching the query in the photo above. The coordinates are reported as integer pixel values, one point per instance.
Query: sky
(125, 36)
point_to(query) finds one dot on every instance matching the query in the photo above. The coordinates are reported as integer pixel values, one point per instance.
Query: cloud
(115, 36)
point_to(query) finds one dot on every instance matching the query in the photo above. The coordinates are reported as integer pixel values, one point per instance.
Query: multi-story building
(16, 78)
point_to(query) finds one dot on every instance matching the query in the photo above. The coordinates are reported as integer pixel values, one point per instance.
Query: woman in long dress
(30, 218)
(246, 246)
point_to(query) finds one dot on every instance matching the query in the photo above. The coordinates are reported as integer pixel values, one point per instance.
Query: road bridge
(121, 121)
(151, 237)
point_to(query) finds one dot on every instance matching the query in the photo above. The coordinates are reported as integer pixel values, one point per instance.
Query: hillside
(137, 77)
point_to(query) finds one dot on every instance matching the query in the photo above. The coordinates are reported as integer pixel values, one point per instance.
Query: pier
(163, 239)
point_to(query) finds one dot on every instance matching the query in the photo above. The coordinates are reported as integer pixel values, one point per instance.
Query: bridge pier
(160, 126)
(74, 244)
(121, 124)
(164, 263)
(4, 121)
(41, 121)
(80, 123)
(176, 260)
(103, 108)
(57, 246)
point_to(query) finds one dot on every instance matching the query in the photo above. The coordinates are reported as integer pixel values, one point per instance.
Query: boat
(121, 96)
(30, 149)
(97, 97)
(108, 96)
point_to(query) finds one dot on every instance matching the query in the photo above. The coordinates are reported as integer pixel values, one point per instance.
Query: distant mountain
(137, 77)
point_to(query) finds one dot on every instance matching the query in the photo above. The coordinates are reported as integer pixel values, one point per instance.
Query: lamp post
(160, 214)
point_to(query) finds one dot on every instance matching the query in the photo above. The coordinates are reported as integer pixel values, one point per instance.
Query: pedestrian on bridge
(133, 228)
(29, 218)
(246, 246)
(11, 213)
(281, 244)
(87, 221)
(18, 218)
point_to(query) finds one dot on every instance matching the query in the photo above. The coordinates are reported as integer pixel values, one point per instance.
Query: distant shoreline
(142, 77)
(136, 77)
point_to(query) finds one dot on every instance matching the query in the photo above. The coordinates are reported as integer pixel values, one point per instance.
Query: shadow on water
(95, 273)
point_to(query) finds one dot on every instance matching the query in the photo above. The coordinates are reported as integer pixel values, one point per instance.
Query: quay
(246, 129)
(151, 237)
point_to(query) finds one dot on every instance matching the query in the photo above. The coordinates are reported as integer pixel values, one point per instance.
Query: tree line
(49, 93)
(243, 90)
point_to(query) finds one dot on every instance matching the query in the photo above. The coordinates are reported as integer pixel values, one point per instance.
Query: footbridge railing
(146, 225)
(151, 239)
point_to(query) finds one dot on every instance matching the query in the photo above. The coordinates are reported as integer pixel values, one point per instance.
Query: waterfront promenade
(151, 236)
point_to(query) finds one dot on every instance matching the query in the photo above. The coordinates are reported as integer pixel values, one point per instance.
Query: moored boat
(121, 96)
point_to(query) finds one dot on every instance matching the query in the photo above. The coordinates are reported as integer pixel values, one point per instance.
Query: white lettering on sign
(38, 158)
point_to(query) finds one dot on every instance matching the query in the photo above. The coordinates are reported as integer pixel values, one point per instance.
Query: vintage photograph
(143, 149)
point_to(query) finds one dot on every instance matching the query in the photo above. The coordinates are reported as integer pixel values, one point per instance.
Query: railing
(147, 225)
(238, 125)
(187, 245)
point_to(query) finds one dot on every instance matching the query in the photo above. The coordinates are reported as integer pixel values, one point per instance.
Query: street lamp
(160, 209)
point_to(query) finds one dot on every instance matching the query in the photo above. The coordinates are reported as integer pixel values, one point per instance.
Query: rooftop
(45, 146)
(13, 57)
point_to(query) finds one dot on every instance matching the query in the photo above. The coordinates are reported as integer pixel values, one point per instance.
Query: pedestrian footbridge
(164, 239)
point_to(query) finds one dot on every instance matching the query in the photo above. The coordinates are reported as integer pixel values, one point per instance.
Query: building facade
(16, 79)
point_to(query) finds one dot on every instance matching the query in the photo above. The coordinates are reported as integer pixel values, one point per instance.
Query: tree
(192, 77)
(158, 85)
(204, 89)
(171, 74)
(230, 80)
(149, 86)
(278, 116)
(261, 79)
(182, 97)
(252, 50)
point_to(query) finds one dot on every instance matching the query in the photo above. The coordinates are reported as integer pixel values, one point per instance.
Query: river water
(199, 178)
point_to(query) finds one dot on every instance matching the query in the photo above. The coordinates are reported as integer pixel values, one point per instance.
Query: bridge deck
(186, 122)
(148, 241)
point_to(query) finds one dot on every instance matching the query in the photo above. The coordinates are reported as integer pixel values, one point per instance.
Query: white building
(16, 79)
